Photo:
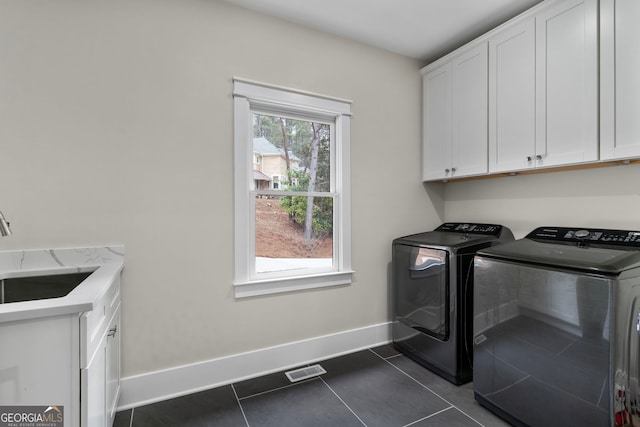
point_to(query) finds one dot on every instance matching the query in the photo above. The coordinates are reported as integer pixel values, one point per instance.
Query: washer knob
(580, 234)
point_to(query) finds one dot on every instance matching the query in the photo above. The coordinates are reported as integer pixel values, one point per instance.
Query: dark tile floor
(376, 387)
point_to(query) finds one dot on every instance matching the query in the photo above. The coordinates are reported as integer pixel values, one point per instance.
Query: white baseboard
(155, 386)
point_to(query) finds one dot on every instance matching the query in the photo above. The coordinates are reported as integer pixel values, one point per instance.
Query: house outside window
(292, 208)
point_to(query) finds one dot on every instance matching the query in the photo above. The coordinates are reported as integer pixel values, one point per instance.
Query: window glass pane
(286, 239)
(295, 155)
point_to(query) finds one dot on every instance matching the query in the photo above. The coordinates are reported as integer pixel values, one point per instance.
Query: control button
(580, 234)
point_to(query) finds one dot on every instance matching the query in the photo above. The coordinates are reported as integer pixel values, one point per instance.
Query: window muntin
(331, 217)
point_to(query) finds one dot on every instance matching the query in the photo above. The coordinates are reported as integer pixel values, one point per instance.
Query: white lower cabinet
(71, 361)
(39, 365)
(112, 371)
(100, 361)
(620, 79)
(93, 386)
(101, 378)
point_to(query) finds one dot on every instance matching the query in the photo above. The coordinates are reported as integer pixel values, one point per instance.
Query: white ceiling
(422, 29)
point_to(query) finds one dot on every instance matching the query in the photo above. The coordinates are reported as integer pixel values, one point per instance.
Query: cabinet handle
(453, 169)
(446, 170)
(112, 332)
(529, 158)
(539, 157)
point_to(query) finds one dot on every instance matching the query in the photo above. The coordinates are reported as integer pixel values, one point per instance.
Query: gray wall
(116, 127)
(599, 198)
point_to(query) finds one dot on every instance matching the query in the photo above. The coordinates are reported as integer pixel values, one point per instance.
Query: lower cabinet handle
(446, 170)
(529, 158)
(112, 332)
(539, 157)
(453, 169)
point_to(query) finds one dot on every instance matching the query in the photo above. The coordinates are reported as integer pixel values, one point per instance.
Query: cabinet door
(469, 134)
(512, 98)
(112, 367)
(620, 79)
(567, 83)
(436, 155)
(93, 388)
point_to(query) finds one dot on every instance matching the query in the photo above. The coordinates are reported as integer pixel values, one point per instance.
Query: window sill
(274, 286)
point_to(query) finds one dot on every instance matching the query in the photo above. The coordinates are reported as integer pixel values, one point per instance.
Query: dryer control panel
(587, 236)
(463, 227)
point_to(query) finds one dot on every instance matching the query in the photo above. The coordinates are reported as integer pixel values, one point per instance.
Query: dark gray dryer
(433, 290)
(557, 318)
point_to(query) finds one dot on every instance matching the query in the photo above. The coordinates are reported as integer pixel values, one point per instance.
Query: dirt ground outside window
(279, 237)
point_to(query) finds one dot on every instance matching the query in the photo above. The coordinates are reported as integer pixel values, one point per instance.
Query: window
(292, 208)
(275, 180)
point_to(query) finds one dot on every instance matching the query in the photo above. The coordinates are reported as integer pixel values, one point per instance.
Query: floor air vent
(304, 373)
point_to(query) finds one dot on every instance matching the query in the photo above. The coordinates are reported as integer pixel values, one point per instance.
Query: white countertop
(105, 262)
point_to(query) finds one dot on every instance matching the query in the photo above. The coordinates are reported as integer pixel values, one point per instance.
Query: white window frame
(277, 180)
(249, 96)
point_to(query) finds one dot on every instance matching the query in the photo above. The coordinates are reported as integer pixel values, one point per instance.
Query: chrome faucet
(4, 226)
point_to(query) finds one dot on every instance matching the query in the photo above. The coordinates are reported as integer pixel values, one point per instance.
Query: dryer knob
(580, 234)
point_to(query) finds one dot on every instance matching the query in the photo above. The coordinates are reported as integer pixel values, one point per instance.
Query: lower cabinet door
(93, 388)
(112, 368)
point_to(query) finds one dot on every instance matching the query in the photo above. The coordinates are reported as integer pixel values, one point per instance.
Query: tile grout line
(343, 402)
(240, 405)
(393, 356)
(278, 388)
(429, 416)
(423, 385)
(470, 417)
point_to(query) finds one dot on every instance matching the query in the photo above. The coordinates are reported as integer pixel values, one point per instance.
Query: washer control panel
(463, 227)
(587, 236)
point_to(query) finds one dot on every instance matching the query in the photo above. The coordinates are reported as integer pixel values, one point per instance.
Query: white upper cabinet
(543, 89)
(567, 83)
(525, 95)
(620, 79)
(512, 97)
(436, 152)
(469, 139)
(455, 116)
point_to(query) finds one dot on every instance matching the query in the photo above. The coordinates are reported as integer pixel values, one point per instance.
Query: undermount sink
(32, 288)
